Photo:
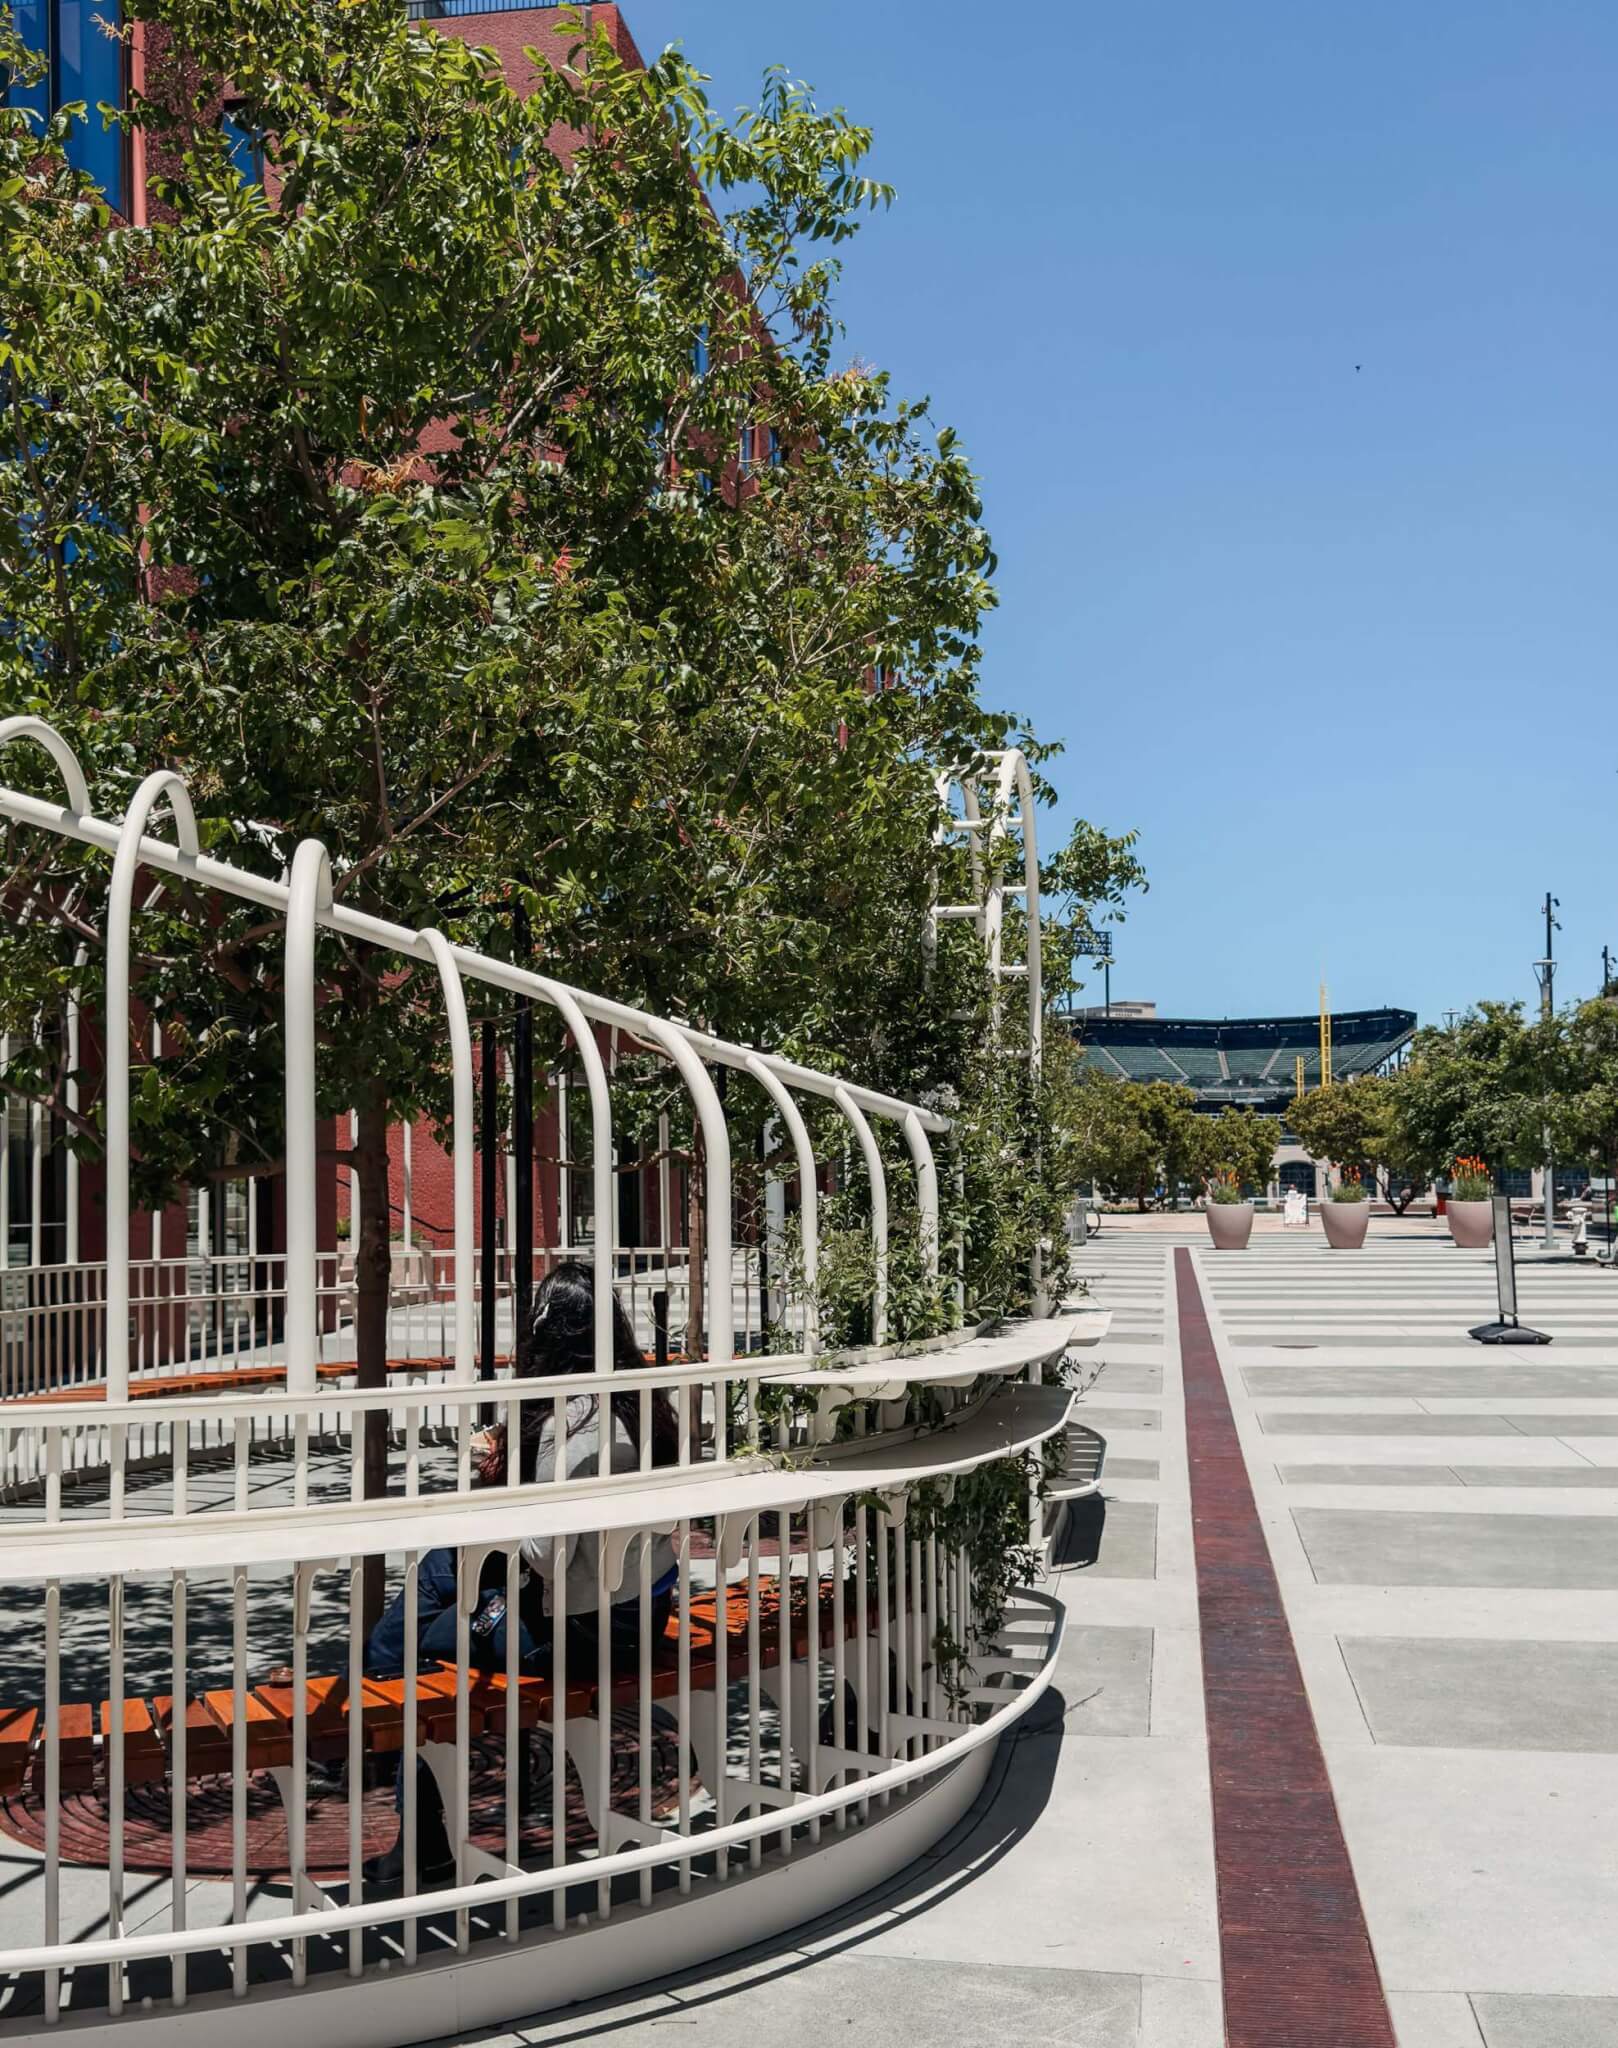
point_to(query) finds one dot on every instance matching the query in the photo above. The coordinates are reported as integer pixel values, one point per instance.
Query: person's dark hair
(560, 1338)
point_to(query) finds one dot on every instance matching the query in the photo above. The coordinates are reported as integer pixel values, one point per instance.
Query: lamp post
(1545, 972)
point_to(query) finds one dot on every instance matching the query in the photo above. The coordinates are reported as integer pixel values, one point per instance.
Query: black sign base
(1507, 1333)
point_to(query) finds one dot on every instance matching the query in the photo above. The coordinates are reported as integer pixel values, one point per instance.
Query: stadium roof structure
(1244, 1062)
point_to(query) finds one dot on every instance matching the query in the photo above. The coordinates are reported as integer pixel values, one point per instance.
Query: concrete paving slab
(1536, 1475)
(1421, 1380)
(1368, 1475)
(1348, 1545)
(1564, 1425)
(1096, 1410)
(1283, 1422)
(1181, 2012)
(1484, 1871)
(1486, 1694)
(1130, 1379)
(1112, 1668)
(881, 2002)
(1509, 2022)
(1132, 1864)
(1434, 2019)
(1130, 1468)
(1128, 1543)
(1423, 1450)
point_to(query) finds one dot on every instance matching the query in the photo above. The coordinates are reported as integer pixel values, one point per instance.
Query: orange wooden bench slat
(207, 1745)
(325, 1714)
(76, 1747)
(17, 1726)
(145, 1759)
(210, 1718)
(269, 1738)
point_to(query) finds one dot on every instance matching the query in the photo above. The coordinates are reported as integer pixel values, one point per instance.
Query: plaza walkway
(1434, 1594)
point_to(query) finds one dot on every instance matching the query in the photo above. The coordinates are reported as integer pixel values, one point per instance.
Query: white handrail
(129, 848)
(309, 892)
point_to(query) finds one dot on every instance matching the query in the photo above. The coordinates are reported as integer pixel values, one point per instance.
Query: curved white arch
(721, 1311)
(120, 910)
(921, 1153)
(879, 1210)
(67, 762)
(809, 1197)
(309, 886)
(562, 1000)
(464, 1140)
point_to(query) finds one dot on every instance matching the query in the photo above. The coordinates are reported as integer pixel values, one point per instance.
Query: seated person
(559, 1338)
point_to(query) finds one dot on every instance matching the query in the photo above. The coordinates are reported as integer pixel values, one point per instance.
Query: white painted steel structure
(824, 1697)
(997, 799)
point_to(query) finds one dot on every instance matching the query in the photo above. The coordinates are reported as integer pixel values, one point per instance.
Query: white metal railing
(191, 1688)
(226, 1312)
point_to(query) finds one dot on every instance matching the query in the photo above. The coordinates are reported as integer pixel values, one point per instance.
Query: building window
(84, 62)
(245, 145)
(699, 351)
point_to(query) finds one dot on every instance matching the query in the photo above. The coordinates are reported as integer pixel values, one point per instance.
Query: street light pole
(1546, 971)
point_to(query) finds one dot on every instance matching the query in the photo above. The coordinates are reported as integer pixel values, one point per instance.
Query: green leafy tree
(1132, 1137)
(393, 502)
(1480, 1090)
(1357, 1124)
(1585, 1113)
(1238, 1143)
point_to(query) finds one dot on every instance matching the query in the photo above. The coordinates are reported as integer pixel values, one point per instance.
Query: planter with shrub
(1470, 1209)
(1230, 1218)
(1345, 1214)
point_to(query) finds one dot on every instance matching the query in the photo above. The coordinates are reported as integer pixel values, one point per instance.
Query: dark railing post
(489, 1160)
(522, 1133)
(660, 1325)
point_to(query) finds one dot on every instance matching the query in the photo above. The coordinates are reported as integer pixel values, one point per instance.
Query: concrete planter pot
(1345, 1224)
(1471, 1224)
(1230, 1225)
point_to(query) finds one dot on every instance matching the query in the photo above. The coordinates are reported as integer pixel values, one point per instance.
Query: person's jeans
(435, 1624)
(436, 1632)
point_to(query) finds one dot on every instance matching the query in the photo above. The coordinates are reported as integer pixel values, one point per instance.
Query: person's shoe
(435, 1862)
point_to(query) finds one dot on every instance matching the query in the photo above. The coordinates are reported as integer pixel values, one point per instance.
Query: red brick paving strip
(1296, 1956)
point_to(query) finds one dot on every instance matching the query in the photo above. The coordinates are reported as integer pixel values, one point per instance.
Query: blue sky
(1338, 640)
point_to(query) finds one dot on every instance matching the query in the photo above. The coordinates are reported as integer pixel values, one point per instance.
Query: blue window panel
(89, 65)
(772, 446)
(747, 450)
(85, 64)
(246, 147)
(699, 351)
(33, 26)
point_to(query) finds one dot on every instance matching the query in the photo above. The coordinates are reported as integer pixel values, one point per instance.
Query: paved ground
(1443, 1524)
(1443, 1521)
(1075, 1906)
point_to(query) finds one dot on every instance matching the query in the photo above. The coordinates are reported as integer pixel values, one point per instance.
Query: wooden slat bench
(270, 1707)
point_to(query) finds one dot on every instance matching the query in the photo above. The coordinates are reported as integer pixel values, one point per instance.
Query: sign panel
(1505, 1265)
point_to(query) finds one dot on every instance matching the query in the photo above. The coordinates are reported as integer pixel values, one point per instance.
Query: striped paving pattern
(1443, 1522)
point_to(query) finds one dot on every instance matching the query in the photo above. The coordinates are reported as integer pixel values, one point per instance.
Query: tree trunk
(373, 1275)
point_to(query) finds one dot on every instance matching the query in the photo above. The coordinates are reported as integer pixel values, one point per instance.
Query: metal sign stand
(1507, 1330)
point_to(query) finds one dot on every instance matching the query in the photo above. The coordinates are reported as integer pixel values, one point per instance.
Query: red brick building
(50, 1210)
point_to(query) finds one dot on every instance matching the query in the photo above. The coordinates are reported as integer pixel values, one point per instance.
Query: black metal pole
(489, 1159)
(522, 1130)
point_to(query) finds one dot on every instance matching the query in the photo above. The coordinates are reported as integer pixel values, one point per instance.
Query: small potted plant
(1469, 1210)
(1346, 1213)
(1230, 1219)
